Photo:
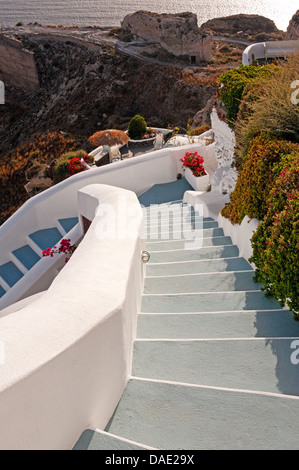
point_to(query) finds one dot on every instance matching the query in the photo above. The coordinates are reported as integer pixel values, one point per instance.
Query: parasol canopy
(109, 137)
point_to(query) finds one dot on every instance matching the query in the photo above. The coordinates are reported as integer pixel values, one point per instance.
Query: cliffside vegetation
(267, 155)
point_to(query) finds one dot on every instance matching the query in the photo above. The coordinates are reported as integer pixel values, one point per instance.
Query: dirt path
(93, 37)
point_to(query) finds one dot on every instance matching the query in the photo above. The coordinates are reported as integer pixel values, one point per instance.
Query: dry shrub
(273, 113)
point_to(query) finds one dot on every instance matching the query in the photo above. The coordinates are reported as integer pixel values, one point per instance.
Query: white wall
(68, 354)
(136, 174)
(225, 176)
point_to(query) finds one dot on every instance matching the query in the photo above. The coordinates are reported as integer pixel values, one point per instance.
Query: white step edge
(189, 249)
(123, 439)
(199, 274)
(224, 389)
(4, 284)
(18, 263)
(202, 340)
(237, 312)
(196, 260)
(202, 293)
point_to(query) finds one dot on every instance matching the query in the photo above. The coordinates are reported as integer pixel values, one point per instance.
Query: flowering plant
(88, 158)
(75, 166)
(149, 133)
(64, 247)
(195, 162)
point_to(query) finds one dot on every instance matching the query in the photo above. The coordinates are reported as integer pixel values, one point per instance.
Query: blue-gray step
(171, 245)
(46, 238)
(190, 283)
(245, 364)
(69, 223)
(210, 252)
(10, 273)
(176, 416)
(245, 324)
(166, 192)
(179, 224)
(211, 365)
(2, 292)
(27, 256)
(204, 266)
(181, 234)
(207, 302)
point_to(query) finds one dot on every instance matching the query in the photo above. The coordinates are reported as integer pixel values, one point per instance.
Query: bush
(61, 165)
(233, 83)
(276, 241)
(199, 130)
(137, 127)
(272, 112)
(257, 178)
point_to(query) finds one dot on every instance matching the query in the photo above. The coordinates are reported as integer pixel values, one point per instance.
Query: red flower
(194, 162)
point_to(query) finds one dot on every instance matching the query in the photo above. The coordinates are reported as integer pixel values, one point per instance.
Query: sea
(111, 12)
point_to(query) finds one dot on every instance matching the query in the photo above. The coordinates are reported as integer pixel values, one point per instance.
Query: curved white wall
(68, 354)
(136, 174)
(254, 52)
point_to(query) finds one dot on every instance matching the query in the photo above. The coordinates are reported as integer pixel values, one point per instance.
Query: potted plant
(195, 173)
(139, 132)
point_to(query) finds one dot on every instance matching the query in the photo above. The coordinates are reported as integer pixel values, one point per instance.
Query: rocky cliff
(17, 65)
(177, 33)
(293, 28)
(249, 24)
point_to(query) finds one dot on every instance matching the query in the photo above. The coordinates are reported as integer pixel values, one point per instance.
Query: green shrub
(137, 127)
(257, 178)
(233, 83)
(276, 241)
(61, 164)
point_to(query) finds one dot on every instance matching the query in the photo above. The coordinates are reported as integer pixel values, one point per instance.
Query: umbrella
(109, 137)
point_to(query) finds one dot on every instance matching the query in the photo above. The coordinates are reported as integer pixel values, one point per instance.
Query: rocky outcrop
(17, 65)
(177, 33)
(250, 24)
(293, 28)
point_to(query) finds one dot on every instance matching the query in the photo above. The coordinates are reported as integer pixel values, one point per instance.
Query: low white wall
(39, 277)
(212, 203)
(136, 174)
(68, 354)
(240, 234)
